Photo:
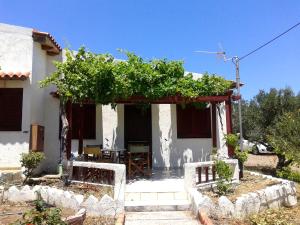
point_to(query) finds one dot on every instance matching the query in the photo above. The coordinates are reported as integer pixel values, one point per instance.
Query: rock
(77, 201)
(44, 193)
(206, 205)
(107, 206)
(263, 200)
(273, 197)
(36, 188)
(226, 207)
(51, 197)
(290, 195)
(58, 197)
(13, 194)
(240, 207)
(91, 205)
(26, 194)
(252, 203)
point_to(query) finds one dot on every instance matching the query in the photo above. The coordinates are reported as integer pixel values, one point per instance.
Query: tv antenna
(235, 60)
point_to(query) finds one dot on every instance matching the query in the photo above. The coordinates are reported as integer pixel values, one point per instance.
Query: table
(116, 153)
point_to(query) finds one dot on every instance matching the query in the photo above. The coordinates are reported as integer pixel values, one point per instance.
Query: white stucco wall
(19, 53)
(16, 56)
(168, 150)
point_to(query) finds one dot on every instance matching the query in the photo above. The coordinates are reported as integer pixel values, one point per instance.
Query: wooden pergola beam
(170, 99)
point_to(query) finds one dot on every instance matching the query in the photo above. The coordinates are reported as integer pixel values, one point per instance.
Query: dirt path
(261, 161)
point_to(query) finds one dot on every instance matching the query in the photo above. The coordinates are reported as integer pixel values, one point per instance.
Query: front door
(137, 126)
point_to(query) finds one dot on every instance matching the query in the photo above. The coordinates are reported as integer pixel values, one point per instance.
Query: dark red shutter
(88, 118)
(11, 103)
(193, 122)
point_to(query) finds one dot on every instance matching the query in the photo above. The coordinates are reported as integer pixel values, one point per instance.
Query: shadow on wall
(118, 132)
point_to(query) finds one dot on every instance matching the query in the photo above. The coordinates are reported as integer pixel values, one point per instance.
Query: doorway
(138, 126)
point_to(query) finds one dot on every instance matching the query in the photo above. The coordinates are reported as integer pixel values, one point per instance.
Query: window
(88, 119)
(193, 122)
(11, 101)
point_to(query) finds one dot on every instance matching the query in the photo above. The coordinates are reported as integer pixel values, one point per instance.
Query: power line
(255, 50)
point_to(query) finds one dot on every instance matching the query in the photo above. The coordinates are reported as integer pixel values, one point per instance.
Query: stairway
(158, 202)
(159, 195)
(161, 218)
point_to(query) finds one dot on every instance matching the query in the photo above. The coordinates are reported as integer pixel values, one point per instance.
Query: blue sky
(174, 30)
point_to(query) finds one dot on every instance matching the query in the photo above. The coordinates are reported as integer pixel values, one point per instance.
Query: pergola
(227, 98)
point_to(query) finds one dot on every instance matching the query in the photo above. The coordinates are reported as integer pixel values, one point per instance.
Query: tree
(263, 110)
(284, 137)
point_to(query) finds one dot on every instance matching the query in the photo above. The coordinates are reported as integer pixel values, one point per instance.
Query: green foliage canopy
(284, 136)
(102, 79)
(263, 111)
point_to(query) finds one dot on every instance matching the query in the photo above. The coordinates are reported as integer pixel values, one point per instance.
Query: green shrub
(30, 161)
(242, 156)
(41, 215)
(287, 173)
(225, 173)
(231, 140)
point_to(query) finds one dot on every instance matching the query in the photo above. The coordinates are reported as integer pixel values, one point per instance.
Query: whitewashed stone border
(273, 197)
(106, 206)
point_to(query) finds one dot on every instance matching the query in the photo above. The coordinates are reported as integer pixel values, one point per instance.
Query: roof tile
(14, 75)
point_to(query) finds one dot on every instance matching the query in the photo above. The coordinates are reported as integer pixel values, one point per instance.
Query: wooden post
(229, 124)
(206, 173)
(214, 125)
(80, 130)
(69, 134)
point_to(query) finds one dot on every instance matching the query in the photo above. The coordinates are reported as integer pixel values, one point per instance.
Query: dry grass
(80, 188)
(99, 221)
(10, 212)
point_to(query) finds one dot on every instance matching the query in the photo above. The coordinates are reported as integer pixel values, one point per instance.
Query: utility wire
(255, 50)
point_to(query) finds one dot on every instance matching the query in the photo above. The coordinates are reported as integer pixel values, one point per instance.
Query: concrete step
(161, 218)
(155, 205)
(152, 196)
(167, 185)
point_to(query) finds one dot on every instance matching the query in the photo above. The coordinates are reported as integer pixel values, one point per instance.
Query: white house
(175, 135)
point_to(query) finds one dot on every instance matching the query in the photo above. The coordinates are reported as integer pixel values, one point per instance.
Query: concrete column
(113, 126)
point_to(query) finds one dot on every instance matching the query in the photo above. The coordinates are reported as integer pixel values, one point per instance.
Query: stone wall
(272, 197)
(106, 206)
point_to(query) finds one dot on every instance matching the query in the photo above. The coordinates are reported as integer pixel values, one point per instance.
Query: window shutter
(11, 103)
(193, 122)
(88, 118)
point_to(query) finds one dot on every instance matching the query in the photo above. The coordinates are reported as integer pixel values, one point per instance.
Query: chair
(94, 151)
(138, 160)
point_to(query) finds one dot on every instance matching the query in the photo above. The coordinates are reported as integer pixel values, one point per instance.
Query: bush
(41, 215)
(287, 173)
(231, 140)
(225, 173)
(31, 161)
(242, 156)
